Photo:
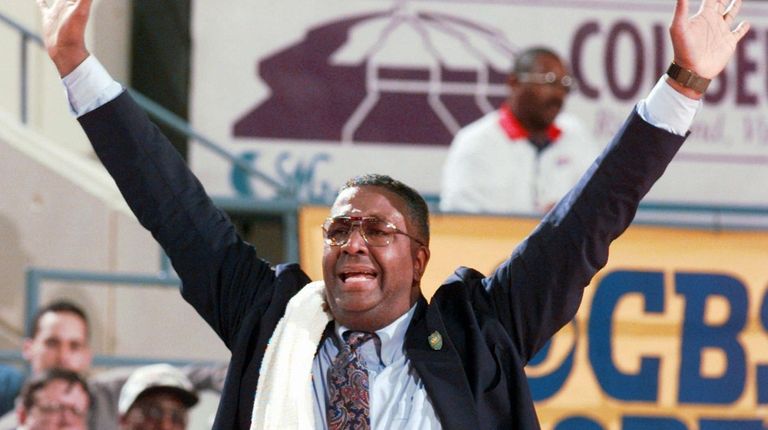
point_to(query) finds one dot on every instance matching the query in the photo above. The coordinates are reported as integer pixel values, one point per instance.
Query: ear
(512, 80)
(21, 413)
(26, 348)
(420, 261)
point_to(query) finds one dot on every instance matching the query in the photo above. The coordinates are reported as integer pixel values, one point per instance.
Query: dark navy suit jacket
(491, 326)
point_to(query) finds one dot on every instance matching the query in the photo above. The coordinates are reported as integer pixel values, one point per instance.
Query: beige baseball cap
(156, 377)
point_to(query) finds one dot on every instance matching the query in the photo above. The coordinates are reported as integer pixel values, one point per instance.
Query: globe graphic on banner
(394, 77)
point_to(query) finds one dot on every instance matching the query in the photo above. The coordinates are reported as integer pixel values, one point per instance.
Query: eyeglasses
(157, 413)
(58, 408)
(550, 78)
(375, 232)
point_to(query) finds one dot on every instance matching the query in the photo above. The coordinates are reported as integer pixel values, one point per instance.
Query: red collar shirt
(492, 167)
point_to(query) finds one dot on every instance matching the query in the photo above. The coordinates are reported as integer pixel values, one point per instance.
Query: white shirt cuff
(90, 86)
(667, 109)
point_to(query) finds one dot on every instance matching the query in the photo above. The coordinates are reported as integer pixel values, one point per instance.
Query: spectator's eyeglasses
(550, 78)
(375, 232)
(157, 414)
(58, 408)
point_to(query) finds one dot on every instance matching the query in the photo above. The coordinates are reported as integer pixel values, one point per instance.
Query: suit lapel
(439, 366)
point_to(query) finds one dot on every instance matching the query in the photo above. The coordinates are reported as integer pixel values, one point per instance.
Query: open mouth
(357, 275)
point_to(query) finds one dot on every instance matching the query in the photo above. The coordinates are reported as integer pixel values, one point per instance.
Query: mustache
(552, 104)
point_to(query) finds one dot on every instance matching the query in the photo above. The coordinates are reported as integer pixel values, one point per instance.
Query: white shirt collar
(392, 337)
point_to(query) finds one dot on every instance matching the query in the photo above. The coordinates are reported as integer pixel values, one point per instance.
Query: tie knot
(357, 338)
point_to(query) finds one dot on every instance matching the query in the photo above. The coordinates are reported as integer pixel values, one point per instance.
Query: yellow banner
(672, 334)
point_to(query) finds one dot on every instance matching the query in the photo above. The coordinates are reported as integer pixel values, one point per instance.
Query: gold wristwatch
(688, 78)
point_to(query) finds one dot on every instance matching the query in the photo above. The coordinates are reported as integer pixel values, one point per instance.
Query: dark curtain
(160, 57)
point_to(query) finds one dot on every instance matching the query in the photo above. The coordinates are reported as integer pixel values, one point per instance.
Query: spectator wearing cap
(156, 397)
(60, 338)
(54, 399)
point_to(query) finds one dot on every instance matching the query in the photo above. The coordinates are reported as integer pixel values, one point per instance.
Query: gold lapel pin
(435, 341)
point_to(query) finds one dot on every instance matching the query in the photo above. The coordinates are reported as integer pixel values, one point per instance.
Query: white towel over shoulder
(284, 396)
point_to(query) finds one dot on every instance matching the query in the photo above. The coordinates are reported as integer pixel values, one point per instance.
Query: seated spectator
(60, 338)
(55, 399)
(156, 397)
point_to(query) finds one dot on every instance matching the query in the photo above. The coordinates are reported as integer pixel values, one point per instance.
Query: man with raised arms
(362, 348)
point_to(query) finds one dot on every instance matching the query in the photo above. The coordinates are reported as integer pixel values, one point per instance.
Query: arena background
(316, 92)
(671, 335)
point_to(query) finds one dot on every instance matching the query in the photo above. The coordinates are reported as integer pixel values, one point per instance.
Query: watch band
(688, 78)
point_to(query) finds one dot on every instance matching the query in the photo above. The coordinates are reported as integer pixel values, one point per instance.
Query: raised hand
(64, 24)
(706, 41)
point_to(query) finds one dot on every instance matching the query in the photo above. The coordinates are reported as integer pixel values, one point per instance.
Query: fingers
(715, 5)
(728, 18)
(722, 6)
(83, 7)
(732, 12)
(741, 30)
(730, 15)
(681, 12)
(734, 8)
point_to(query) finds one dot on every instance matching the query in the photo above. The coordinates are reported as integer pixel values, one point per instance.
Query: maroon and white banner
(314, 92)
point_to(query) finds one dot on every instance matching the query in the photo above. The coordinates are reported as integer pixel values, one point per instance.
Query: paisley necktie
(348, 406)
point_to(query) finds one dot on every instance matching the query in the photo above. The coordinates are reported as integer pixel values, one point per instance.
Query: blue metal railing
(170, 119)
(36, 277)
(161, 114)
(287, 209)
(26, 37)
(285, 206)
